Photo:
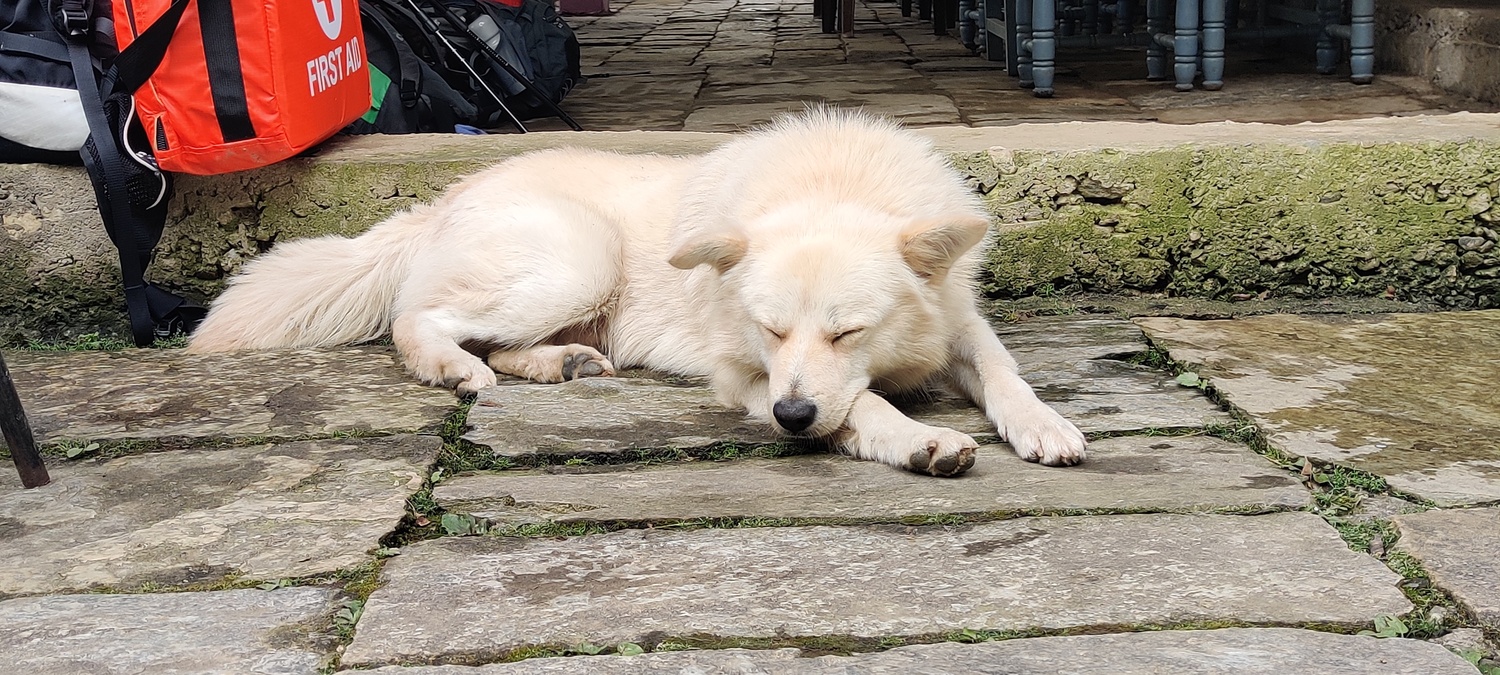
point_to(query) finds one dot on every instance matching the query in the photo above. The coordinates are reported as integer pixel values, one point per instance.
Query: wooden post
(18, 435)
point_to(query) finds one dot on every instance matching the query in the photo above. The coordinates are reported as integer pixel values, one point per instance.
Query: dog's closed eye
(851, 333)
(773, 334)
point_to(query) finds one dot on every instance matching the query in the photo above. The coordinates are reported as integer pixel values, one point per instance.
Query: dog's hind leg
(516, 278)
(552, 363)
(429, 340)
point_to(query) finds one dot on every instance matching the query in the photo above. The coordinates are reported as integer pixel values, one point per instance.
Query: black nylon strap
(132, 226)
(131, 236)
(225, 80)
(407, 61)
(16, 43)
(136, 64)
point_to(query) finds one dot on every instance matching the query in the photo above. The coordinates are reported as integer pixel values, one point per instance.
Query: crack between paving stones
(1333, 504)
(469, 525)
(813, 646)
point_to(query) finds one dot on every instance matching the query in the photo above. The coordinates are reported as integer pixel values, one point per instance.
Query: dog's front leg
(876, 430)
(984, 371)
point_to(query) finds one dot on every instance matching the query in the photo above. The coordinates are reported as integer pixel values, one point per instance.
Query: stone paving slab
(1230, 651)
(202, 516)
(161, 393)
(245, 631)
(481, 597)
(1129, 473)
(1410, 397)
(1461, 551)
(1065, 360)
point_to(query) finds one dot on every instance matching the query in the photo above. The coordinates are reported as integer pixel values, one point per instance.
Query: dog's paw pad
(586, 364)
(470, 380)
(938, 460)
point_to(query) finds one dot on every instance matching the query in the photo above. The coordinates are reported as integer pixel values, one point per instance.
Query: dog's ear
(723, 251)
(931, 245)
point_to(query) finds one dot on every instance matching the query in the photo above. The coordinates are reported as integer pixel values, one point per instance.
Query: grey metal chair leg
(1043, 46)
(1213, 44)
(18, 436)
(1156, 55)
(1185, 45)
(1362, 41)
(1023, 43)
(1328, 46)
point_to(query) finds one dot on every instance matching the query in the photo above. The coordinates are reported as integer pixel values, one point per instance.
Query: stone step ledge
(1398, 206)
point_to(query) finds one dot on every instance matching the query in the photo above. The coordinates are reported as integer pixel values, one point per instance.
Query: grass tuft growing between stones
(422, 511)
(80, 450)
(98, 342)
(1435, 611)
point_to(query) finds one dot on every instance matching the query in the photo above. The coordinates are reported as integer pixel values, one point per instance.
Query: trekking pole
(431, 25)
(18, 436)
(496, 60)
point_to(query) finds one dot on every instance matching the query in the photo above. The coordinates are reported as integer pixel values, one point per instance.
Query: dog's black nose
(795, 414)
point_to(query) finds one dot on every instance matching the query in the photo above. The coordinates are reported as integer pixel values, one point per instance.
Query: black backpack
(408, 95)
(532, 66)
(72, 91)
(550, 49)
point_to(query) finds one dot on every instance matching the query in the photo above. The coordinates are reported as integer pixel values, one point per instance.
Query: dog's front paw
(1042, 435)
(941, 452)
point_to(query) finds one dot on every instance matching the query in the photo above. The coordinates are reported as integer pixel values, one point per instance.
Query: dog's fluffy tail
(314, 292)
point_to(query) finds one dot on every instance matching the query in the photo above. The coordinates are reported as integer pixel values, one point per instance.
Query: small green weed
(347, 616)
(1191, 379)
(77, 449)
(1387, 626)
(1153, 358)
(98, 342)
(1483, 665)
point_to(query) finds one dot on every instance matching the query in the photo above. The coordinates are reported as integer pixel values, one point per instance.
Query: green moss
(1226, 222)
(1335, 220)
(61, 307)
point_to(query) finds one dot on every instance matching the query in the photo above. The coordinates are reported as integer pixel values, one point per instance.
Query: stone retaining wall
(1377, 207)
(1454, 44)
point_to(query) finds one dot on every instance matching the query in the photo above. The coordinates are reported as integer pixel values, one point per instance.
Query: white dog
(803, 267)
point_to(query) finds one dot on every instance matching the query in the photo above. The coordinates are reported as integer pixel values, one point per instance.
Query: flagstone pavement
(1262, 494)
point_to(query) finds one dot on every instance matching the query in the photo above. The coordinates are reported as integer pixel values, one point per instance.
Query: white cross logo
(330, 15)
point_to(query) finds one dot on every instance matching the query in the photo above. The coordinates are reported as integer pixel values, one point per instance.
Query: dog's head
(826, 299)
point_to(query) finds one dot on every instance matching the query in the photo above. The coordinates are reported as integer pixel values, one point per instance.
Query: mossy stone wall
(1409, 221)
(1329, 214)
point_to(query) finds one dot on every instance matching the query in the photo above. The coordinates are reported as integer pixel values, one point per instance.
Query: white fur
(817, 259)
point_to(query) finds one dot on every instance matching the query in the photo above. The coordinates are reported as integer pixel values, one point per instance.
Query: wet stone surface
(1460, 549)
(1134, 473)
(155, 393)
(203, 516)
(1410, 397)
(279, 632)
(1067, 361)
(481, 597)
(1230, 651)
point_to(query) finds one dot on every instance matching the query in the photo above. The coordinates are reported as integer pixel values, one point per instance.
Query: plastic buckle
(75, 19)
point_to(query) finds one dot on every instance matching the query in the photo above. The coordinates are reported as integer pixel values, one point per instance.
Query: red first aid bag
(246, 83)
